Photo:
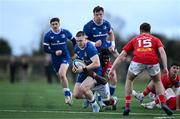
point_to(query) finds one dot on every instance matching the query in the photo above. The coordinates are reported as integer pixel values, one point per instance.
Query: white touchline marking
(164, 118)
(74, 112)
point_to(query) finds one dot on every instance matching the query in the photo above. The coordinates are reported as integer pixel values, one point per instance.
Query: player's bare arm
(164, 59)
(95, 62)
(119, 59)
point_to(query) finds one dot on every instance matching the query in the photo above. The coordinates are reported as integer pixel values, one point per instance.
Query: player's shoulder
(65, 30)
(75, 47)
(90, 46)
(133, 39)
(153, 37)
(106, 22)
(88, 24)
(48, 32)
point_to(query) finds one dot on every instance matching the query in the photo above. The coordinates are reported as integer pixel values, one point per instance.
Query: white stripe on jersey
(94, 57)
(45, 44)
(169, 93)
(58, 43)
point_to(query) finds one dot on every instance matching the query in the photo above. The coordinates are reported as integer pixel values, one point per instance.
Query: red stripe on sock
(146, 91)
(127, 101)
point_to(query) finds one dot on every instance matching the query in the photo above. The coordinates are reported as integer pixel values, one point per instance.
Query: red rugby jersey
(145, 47)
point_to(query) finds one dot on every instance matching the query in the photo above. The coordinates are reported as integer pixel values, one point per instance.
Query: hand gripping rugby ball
(78, 63)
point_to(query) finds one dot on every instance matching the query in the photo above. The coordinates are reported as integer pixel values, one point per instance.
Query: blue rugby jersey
(96, 32)
(87, 53)
(57, 41)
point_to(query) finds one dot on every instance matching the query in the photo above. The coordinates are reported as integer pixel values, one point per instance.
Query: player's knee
(62, 76)
(83, 89)
(76, 95)
(114, 80)
(156, 80)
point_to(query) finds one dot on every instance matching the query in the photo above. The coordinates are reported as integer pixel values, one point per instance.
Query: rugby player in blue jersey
(55, 43)
(87, 52)
(100, 33)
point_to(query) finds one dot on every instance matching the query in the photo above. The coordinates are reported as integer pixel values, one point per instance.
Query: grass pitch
(39, 100)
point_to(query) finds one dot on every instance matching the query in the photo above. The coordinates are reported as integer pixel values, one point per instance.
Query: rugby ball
(78, 63)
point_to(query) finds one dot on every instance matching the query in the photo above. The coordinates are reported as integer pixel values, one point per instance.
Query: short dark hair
(97, 9)
(80, 33)
(54, 19)
(145, 27)
(175, 64)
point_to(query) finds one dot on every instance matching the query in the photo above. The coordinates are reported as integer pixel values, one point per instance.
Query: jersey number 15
(144, 43)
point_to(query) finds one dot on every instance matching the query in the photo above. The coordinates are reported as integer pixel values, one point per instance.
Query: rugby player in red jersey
(173, 80)
(145, 47)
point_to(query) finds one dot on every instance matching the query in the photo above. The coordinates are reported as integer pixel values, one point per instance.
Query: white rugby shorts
(136, 68)
(103, 90)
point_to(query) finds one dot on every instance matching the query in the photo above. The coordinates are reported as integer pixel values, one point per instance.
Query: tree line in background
(172, 46)
(40, 66)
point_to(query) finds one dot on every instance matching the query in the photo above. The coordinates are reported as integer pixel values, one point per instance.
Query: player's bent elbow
(96, 64)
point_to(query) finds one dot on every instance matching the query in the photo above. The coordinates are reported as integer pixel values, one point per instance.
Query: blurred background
(23, 24)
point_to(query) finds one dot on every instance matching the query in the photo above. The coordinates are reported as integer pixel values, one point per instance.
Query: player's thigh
(63, 68)
(136, 68)
(156, 78)
(88, 83)
(153, 69)
(76, 90)
(130, 76)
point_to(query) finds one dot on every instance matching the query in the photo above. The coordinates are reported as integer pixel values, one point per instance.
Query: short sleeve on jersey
(69, 35)
(91, 50)
(129, 46)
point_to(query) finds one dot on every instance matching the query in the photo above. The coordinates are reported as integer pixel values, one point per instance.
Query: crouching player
(173, 80)
(171, 101)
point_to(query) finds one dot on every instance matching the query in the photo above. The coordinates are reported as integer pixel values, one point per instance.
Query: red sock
(128, 101)
(146, 91)
(156, 100)
(162, 98)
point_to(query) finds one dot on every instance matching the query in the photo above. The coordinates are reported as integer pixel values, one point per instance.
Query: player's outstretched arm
(119, 59)
(98, 78)
(164, 59)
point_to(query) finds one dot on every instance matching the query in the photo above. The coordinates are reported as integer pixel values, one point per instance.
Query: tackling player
(173, 80)
(89, 78)
(55, 43)
(172, 100)
(100, 33)
(145, 47)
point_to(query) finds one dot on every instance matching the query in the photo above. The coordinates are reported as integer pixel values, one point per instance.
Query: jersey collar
(56, 32)
(98, 24)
